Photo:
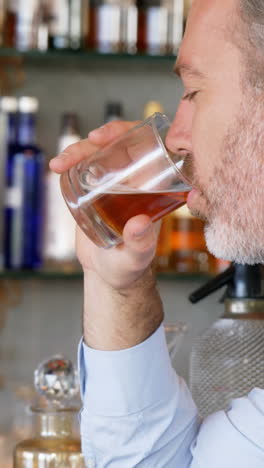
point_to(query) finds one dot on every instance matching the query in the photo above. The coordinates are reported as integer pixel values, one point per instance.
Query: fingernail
(98, 132)
(62, 156)
(140, 234)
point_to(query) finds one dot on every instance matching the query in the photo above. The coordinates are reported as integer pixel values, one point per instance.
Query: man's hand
(119, 285)
(120, 266)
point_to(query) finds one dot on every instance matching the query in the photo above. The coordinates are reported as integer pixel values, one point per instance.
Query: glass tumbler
(136, 174)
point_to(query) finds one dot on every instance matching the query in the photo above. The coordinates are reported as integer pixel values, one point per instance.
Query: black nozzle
(243, 281)
(246, 283)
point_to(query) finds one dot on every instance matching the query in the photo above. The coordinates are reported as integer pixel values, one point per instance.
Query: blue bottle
(26, 181)
(9, 108)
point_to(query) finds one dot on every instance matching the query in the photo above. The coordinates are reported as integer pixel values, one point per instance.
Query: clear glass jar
(227, 361)
(55, 443)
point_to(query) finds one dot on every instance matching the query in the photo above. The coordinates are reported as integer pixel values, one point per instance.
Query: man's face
(220, 122)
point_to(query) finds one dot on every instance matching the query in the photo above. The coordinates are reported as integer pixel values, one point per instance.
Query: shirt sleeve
(136, 410)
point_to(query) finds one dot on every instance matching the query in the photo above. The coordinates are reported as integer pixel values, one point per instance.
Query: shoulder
(234, 437)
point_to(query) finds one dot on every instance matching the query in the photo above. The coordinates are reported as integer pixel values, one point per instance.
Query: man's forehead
(208, 29)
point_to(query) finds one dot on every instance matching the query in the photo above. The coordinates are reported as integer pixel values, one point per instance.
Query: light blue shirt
(138, 413)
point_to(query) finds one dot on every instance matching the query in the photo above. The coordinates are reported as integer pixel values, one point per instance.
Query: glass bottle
(59, 244)
(2, 21)
(113, 111)
(78, 23)
(55, 443)
(25, 189)
(105, 26)
(189, 253)
(42, 26)
(227, 359)
(9, 107)
(59, 25)
(175, 25)
(129, 24)
(10, 23)
(33, 160)
(27, 24)
(152, 26)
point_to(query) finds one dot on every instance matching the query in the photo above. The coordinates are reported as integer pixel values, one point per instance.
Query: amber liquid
(117, 208)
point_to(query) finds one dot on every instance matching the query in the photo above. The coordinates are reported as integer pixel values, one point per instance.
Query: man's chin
(228, 243)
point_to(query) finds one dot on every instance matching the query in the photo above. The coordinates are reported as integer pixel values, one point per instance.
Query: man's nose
(179, 136)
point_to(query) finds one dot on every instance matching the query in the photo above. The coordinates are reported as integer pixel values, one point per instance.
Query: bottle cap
(9, 104)
(151, 107)
(56, 379)
(28, 104)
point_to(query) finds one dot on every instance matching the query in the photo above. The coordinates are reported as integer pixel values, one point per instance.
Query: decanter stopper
(57, 379)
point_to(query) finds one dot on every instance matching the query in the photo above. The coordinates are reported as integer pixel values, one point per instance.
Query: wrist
(120, 318)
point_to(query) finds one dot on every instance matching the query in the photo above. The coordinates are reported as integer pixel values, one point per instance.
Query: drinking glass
(135, 174)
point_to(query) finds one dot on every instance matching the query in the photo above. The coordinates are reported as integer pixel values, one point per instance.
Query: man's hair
(252, 15)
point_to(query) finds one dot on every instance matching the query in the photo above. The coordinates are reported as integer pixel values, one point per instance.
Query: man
(137, 411)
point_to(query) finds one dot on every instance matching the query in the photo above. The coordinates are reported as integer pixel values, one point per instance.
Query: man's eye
(189, 96)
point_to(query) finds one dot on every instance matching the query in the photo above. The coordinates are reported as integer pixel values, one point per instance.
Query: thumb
(140, 238)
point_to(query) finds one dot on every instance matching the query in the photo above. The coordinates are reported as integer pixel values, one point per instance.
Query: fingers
(140, 237)
(98, 138)
(110, 131)
(72, 155)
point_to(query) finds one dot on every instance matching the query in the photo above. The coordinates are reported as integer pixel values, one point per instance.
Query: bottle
(152, 27)
(59, 245)
(189, 253)
(42, 26)
(27, 24)
(129, 22)
(78, 23)
(10, 24)
(227, 359)
(55, 442)
(175, 25)
(9, 108)
(2, 21)
(24, 201)
(113, 111)
(59, 25)
(105, 26)
(151, 107)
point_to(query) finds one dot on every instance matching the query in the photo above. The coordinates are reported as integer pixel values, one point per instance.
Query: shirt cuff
(116, 383)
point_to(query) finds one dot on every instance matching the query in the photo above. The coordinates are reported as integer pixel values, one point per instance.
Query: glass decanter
(55, 443)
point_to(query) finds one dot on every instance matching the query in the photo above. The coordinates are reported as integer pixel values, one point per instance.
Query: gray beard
(235, 224)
